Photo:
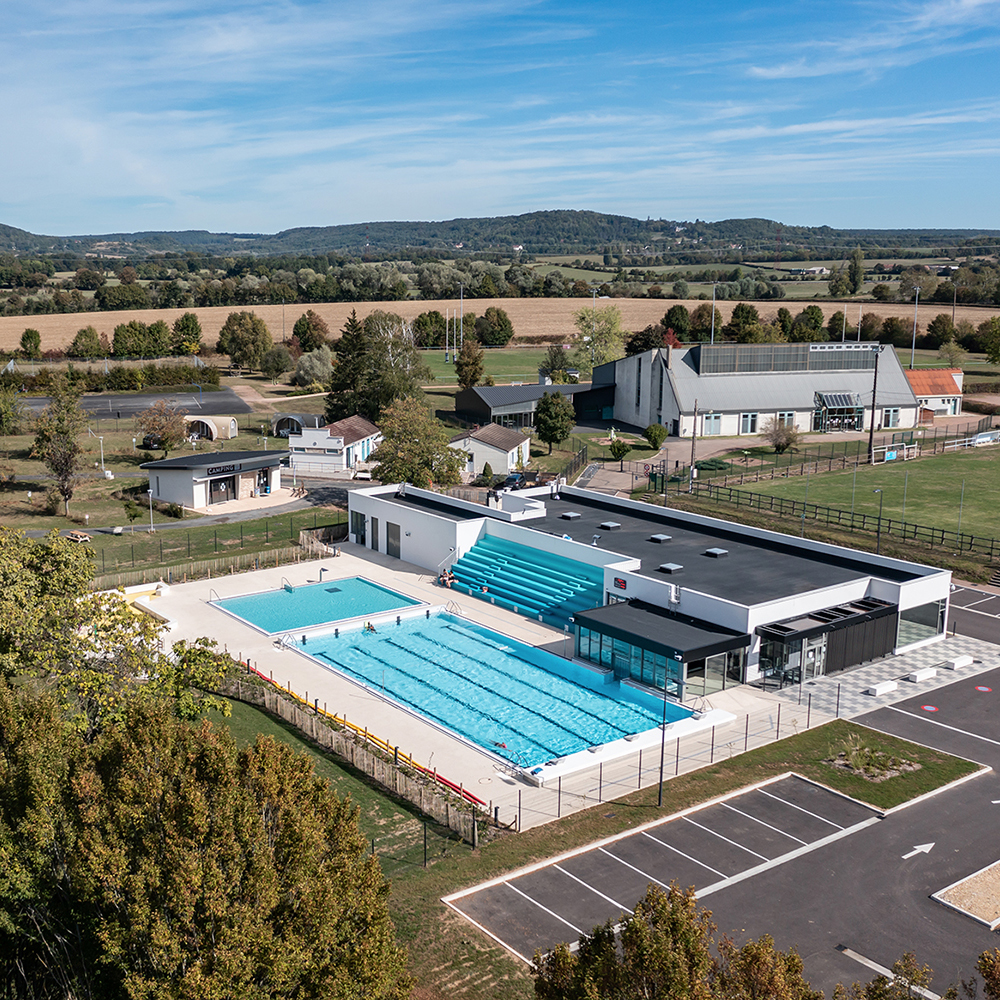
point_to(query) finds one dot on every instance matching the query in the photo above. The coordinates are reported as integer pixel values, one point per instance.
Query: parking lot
(975, 613)
(849, 889)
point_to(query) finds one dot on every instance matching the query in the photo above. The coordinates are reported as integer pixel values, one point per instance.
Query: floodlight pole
(712, 340)
(871, 431)
(663, 740)
(913, 344)
(694, 438)
(149, 493)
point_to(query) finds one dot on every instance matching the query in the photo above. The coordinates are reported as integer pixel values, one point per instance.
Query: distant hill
(559, 231)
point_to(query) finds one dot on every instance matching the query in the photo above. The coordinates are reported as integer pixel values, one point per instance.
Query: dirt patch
(875, 770)
(978, 895)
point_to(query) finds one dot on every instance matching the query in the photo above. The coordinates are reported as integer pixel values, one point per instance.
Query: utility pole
(913, 345)
(871, 431)
(694, 439)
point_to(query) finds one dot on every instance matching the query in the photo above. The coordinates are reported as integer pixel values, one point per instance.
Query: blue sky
(256, 117)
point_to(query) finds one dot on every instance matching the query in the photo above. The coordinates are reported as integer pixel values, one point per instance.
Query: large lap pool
(512, 699)
(293, 608)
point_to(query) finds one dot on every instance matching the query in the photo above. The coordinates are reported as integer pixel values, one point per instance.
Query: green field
(507, 364)
(933, 488)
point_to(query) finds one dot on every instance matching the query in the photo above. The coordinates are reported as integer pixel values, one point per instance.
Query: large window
(890, 416)
(922, 622)
(748, 423)
(638, 384)
(712, 424)
(786, 418)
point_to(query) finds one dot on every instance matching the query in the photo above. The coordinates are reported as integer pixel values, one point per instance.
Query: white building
(204, 479)
(505, 449)
(740, 387)
(662, 597)
(938, 391)
(336, 449)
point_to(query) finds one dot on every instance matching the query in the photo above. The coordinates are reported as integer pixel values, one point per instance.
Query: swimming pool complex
(293, 608)
(523, 703)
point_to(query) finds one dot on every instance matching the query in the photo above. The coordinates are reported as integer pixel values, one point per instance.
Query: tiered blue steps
(528, 581)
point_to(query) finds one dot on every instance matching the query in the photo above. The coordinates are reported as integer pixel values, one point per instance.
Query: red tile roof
(933, 381)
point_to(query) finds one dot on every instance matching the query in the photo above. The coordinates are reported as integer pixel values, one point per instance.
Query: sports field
(932, 488)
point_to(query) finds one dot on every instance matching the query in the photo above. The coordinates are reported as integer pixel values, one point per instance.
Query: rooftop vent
(670, 567)
(610, 525)
(659, 539)
(717, 553)
(570, 515)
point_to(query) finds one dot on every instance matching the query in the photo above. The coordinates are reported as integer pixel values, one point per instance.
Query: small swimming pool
(512, 699)
(293, 608)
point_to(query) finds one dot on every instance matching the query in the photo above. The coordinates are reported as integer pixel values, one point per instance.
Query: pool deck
(757, 717)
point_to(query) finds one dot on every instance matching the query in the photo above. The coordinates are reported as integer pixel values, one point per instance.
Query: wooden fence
(432, 794)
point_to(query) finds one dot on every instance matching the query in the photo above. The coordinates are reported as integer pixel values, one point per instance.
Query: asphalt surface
(838, 883)
(975, 613)
(127, 405)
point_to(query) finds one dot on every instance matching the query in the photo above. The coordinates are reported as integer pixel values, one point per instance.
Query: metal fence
(852, 521)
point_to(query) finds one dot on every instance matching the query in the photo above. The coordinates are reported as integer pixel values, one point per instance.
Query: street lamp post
(712, 340)
(913, 345)
(149, 493)
(663, 740)
(101, 439)
(878, 530)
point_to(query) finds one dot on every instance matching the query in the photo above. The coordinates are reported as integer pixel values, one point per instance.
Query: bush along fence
(852, 521)
(442, 800)
(240, 562)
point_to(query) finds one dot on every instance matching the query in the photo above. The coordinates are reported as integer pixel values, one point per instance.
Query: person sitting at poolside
(485, 589)
(443, 578)
(369, 627)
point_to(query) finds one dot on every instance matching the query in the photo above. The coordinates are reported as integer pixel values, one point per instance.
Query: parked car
(515, 481)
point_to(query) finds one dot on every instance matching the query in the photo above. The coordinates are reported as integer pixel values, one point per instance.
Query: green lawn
(507, 364)
(933, 487)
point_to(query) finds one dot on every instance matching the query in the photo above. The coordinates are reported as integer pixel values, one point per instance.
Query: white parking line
(639, 871)
(800, 809)
(587, 885)
(883, 971)
(551, 913)
(687, 819)
(943, 725)
(762, 823)
(671, 847)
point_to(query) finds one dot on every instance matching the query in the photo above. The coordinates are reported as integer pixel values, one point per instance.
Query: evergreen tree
(554, 418)
(470, 363)
(856, 271)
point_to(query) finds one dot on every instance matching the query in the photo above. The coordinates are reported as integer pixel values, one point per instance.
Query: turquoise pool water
(314, 604)
(523, 703)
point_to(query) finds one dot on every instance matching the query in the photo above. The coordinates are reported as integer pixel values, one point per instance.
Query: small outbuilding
(335, 449)
(203, 479)
(502, 447)
(202, 428)
(938, 391)
(284, 424)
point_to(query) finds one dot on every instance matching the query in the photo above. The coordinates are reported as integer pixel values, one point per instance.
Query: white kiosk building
(203, 479)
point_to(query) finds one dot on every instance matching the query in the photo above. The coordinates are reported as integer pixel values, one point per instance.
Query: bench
(958, 662)
(78, 536)
(883, 687)
(922, 674)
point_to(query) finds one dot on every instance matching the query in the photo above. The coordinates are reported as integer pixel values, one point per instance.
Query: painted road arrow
(918, 849)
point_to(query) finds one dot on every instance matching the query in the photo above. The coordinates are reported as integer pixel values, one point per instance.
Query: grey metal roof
(504, 438)
(776, 391)
(505, 395)
(210, 459)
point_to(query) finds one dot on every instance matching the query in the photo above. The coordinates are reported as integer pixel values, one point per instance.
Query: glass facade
(783, 663)
(632, 661)
(922, 622)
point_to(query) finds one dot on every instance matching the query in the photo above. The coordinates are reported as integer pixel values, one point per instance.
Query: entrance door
(391, 539)
(375, 533)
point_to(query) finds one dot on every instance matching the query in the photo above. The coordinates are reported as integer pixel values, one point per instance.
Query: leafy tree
(159, 340)
(12, 411)
(896, 331)
(122, 297)
(701, 321)
(86, 344)
(186, 334)
(988, 333)
(780, 436)
(127, 275)
(556, 360)
(377, 363)
(645, 340)
(88, 280)
(132, 511)
(619, 448)
(245, 338)
(663, 952)
(745, 316)
(31, 343)
(494, 328)
(836, 325)
(655, 434)
(808, 326)
(415, 447)
(172, 863)
(316, 366)
(939, 331)
(678, 319)
(758, 970)
(429, 329)
(871, 326)
(57, 431)
(164, 423)
(278, 360)
(952, 354)
(469, 363)
(601, 337)
(839, 282)
(988, 967)
(681, 289)
(856, 271)
(907, 978)
(312, 331)
(785, 321)
(554, 418)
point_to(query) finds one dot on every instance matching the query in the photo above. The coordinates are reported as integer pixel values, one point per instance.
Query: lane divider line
(639, 871)
(762, 823)
(597, 892)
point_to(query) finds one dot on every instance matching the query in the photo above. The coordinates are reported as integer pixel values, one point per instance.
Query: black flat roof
(752, 571)
(680, 637)
(210, 459)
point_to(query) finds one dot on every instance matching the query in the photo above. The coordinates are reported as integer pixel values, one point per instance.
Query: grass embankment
(447, 956)
(933, 488)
